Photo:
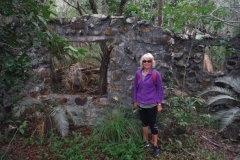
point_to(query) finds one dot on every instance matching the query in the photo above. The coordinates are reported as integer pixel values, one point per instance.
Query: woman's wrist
(159, 104)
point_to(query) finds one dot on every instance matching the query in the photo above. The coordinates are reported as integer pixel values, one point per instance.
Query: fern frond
(233, 82)
(220, 99)
(75, 115)
(227, 117)
(61, 120)
(219, 90)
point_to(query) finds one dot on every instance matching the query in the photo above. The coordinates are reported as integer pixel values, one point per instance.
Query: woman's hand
(135, 104)
(159, 107)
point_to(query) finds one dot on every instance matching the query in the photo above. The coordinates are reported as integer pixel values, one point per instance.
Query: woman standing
(148, 96)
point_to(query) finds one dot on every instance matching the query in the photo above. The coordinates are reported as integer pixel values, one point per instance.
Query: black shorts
(148, 117)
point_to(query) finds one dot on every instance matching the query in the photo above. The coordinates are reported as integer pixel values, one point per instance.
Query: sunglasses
(149, 61)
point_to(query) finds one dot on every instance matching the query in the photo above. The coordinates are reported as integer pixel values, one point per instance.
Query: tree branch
(224, 21)
(78, 8)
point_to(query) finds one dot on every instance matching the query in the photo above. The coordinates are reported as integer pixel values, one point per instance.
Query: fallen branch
(9, 144)
(212, 142)
(218, 144)
(188, 152)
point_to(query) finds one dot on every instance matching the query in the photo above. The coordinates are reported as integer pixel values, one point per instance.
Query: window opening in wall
(78, 73)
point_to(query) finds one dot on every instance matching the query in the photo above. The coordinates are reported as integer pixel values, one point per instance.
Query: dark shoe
(155, 151)
(146, 145)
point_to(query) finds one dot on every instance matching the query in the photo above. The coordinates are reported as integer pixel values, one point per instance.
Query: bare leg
(155, 145)
(155, 139)
(145, 133)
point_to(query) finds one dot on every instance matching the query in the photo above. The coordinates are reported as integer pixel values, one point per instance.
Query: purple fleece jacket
(146, 92)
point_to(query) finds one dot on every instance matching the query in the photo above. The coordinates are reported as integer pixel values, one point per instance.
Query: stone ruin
(179, 59)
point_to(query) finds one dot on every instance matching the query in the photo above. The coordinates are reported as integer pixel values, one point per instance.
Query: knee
(154, 129)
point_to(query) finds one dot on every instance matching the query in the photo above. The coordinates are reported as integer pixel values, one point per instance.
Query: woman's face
(147, 63)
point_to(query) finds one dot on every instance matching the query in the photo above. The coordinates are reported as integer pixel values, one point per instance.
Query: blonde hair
(147, 56)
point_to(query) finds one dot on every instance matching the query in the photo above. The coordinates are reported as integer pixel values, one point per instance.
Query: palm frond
(234, 82)
(219, 90)
(61, 120)
(227, 117)
(218, 115)
(23, 104)
(18, 111)
(220, 99)
(75, 115)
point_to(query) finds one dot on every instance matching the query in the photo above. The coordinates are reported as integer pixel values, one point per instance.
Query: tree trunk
(105, 57)
(102, 88)
(79, 9)
(160, 7)
(93, 6)
(121, 7)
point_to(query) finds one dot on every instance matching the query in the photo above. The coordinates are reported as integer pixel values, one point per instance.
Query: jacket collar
(150, 72)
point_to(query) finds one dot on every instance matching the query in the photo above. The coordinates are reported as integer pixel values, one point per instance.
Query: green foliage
(205, 120)
(125, 150)
(212, 17)
(113, 6)
(119, 135)
(172, 145)
(74, 151)
(144, 10)
(21, 127)
(183, 110)
(24, 25)
(175, 144)
(27, 16)
(180, 14)
(211, 155)
(119, 125)
(34, 14)
(78, 147)
(236, 32)
(14, 71)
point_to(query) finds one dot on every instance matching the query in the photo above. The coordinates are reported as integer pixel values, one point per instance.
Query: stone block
(146, 30)
(44, 91)
(34, 95)
(80, 101)
(117, 76)
(110, 32)
(124, 30)
(42, 72)
(61, 100)
(78, 25)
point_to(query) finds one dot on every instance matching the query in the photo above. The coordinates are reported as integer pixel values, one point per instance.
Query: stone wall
(130, 37)
(174, 53)
(178, 58)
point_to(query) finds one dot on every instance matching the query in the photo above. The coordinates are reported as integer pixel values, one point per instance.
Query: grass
(119, 126)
